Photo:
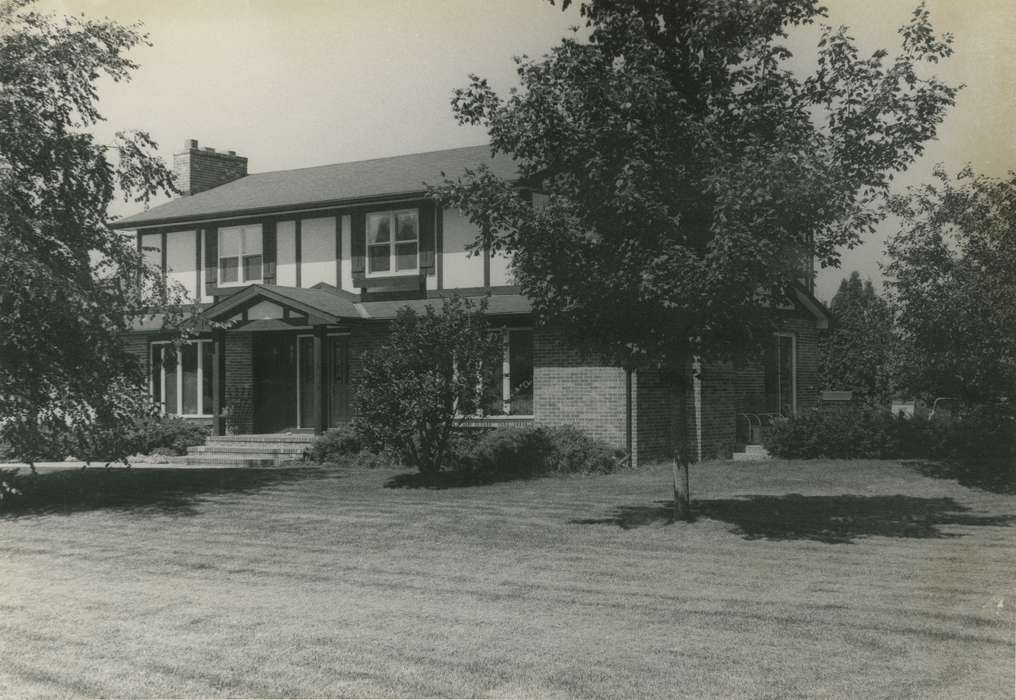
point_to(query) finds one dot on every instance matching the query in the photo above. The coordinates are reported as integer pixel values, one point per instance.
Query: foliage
(436, 368)
(951, 281)
(334, 445)
(114, 431)
(523, 452)
(170, 433)
(689, 173)
(979, 434)
(69, 286)
(839, 434)
(8, 490)
(857, 349)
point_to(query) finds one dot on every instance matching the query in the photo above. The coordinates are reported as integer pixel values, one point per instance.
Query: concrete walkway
(45, 467)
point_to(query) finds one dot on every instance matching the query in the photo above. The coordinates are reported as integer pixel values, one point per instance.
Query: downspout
(628, 416)
(697, 393)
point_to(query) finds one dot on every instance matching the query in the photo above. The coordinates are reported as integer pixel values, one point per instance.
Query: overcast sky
(294, 83)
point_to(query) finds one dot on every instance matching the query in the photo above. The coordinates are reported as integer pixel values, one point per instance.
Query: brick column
(239, 371)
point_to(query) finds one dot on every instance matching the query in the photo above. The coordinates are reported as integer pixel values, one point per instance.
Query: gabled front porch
(280, 361)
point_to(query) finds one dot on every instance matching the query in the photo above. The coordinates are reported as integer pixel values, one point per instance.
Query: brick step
(251, 460)
(752, 453)
(297, 438)
(280, 448)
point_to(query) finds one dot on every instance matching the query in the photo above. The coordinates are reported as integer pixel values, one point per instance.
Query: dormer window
(393, 242)
(240, 255)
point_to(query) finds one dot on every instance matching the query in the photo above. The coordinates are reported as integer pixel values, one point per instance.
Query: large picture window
(513, 390)
(393, 242)
(181, 377)
(240, 255)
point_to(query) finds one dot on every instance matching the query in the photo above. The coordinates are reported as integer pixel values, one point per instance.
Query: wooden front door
(335, 375)
(275, 388)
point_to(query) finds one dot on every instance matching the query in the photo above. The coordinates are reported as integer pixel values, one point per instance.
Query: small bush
(174, 435)
(508, 453)
(335, 445)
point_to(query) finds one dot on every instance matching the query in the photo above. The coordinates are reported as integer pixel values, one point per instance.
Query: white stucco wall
(317, 251)
(459, 268)
(181, 262)
(347, 260)
(285, 264)
(151, 248)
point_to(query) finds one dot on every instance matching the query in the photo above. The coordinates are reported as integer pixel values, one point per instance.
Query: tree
(857, 349)
(436, 368)
(951, 281)
(690, 173)
(69, 286)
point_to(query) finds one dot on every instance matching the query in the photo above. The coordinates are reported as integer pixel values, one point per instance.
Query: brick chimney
(200, 169)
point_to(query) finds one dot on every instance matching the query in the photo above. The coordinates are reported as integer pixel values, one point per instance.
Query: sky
(296, 83)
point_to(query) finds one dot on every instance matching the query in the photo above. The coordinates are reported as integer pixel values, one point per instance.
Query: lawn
(798, 579)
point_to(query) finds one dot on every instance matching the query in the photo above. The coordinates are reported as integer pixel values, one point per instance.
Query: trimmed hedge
(514, 452)
(979, 434)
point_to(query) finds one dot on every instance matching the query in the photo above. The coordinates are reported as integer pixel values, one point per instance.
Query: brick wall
(807, 361)
(659, 414)
(239, 351)
(719, 406)
(569, 389)
(364, 338)
(750, 372)
(137, 345)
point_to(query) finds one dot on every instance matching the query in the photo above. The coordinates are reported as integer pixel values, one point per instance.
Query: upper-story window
(393, 242)
(240, 255)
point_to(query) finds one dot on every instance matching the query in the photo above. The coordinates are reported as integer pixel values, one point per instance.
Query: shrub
(507, 453)
(978, 434)
(414, 390)
(174, 435)
(335, 445)
(981, 434)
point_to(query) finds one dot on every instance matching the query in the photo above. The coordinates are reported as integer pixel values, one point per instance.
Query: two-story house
(308, 267)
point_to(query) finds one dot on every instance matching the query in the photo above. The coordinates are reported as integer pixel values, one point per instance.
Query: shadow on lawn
(167, 490)
(829, 519)
(447, 480)
(997, 477)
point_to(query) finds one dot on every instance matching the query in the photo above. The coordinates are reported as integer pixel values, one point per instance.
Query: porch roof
(335, 305)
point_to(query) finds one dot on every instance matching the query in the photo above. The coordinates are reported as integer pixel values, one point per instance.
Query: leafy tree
(857, 349)
(436, 368)
(690, 173)
(69, 286)
(951, 281)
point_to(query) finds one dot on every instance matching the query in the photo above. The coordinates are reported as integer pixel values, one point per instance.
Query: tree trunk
(682, 495)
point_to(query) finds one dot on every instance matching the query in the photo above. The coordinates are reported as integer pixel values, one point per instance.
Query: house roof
(813, 306)
(323, 185)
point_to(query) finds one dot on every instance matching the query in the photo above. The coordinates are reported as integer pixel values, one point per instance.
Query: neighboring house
(310, 265)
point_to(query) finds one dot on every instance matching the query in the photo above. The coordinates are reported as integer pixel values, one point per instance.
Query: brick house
(308, 267)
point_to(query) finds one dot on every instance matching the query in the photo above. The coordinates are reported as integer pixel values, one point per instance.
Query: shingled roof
(341, 183)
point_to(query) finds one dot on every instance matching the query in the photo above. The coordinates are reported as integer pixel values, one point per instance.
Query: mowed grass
(798, 579)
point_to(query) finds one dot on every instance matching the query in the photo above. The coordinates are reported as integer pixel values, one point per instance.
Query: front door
(275, 390)
(336, 380)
